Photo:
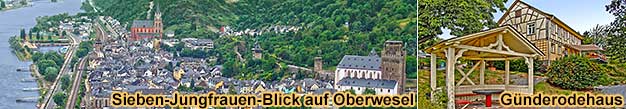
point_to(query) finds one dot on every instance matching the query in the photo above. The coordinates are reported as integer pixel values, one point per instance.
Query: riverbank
(41, 83)
(17, 48)
(16, 4)
(11, 22)
(22, 55)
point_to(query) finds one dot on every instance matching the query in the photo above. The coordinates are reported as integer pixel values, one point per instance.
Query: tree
(23, 34)
(461, 17)
(351, 91)
(54, 56)
(30, 35)
(369, 91)
(81, 52)
(59, 99)
(231, 90)
(84, 48)
(23, 2)
(179, 46)
(50, 38)
(65, 82)
(411, 64)
(63, 34)
(616, 45)
(196, 89)
(230, 69)
(184, 88)
(51, 73)
(2, 5)
(36, 56)
(597, 35)
(44, 64)
(170, 66)
(38, 36)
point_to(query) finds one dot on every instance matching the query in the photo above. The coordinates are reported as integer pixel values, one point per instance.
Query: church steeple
(157, 14)
(158, 23)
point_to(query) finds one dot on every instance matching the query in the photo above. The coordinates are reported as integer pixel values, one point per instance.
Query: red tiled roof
(588, 47)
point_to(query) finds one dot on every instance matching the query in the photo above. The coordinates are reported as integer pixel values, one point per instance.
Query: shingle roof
(143, 24)
(360, 62)
(369, 83)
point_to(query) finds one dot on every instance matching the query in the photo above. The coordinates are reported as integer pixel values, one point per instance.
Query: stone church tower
(317, 66)
(393, 63)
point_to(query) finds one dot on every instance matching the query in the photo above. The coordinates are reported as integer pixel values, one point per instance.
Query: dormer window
(531, 28)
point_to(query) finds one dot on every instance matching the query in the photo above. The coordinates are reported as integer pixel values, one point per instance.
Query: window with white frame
(555, 28)
(558, 50)
(530, 28)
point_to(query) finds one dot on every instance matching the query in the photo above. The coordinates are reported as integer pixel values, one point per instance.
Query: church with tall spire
(383, 74)
(147, 29)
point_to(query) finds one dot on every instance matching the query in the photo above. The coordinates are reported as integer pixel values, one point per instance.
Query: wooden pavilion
(498, 44)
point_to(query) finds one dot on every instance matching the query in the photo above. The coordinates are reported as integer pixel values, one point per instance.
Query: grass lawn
(544, 87)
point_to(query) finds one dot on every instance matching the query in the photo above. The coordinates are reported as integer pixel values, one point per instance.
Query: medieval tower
(393, 63)
(317, 66)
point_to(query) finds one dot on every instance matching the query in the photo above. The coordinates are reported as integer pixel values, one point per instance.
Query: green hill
(330, 28)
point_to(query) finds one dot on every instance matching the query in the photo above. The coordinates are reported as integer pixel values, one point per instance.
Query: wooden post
(482, 72)
(450, 61)
(433, 74)
(531, 74)
(506, 69)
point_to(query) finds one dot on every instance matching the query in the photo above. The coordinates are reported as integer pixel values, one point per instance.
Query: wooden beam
(506, 69)
(512, 53)
(482, 72)
(531, 74)
(433, 74)
(450, 61)
(460, 54)
(491, 59)
(466, 75)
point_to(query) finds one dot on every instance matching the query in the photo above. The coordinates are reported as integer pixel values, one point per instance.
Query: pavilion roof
(485, 44)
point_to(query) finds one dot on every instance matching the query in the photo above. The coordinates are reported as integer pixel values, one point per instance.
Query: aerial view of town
(535, 54)
(67, 54)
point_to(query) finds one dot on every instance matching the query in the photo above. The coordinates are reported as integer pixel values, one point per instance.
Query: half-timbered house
(536, 25)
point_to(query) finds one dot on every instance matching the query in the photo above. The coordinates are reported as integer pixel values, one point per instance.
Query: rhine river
(11, 21)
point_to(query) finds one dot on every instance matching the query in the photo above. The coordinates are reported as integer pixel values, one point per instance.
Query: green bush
(424, 99)
(617, 70)
(518, 65)
(60, 99)
(576, 72)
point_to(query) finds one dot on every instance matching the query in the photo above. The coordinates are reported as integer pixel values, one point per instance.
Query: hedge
(577, 73)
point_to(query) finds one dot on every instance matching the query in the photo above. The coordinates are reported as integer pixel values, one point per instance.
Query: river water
(11, 21)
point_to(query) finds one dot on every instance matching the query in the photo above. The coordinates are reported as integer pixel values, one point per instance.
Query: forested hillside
(330, 28)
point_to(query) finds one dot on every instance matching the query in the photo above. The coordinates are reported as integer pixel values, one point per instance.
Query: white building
(359, 85)
(194, 43)
(361, 72)
(367, 67)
